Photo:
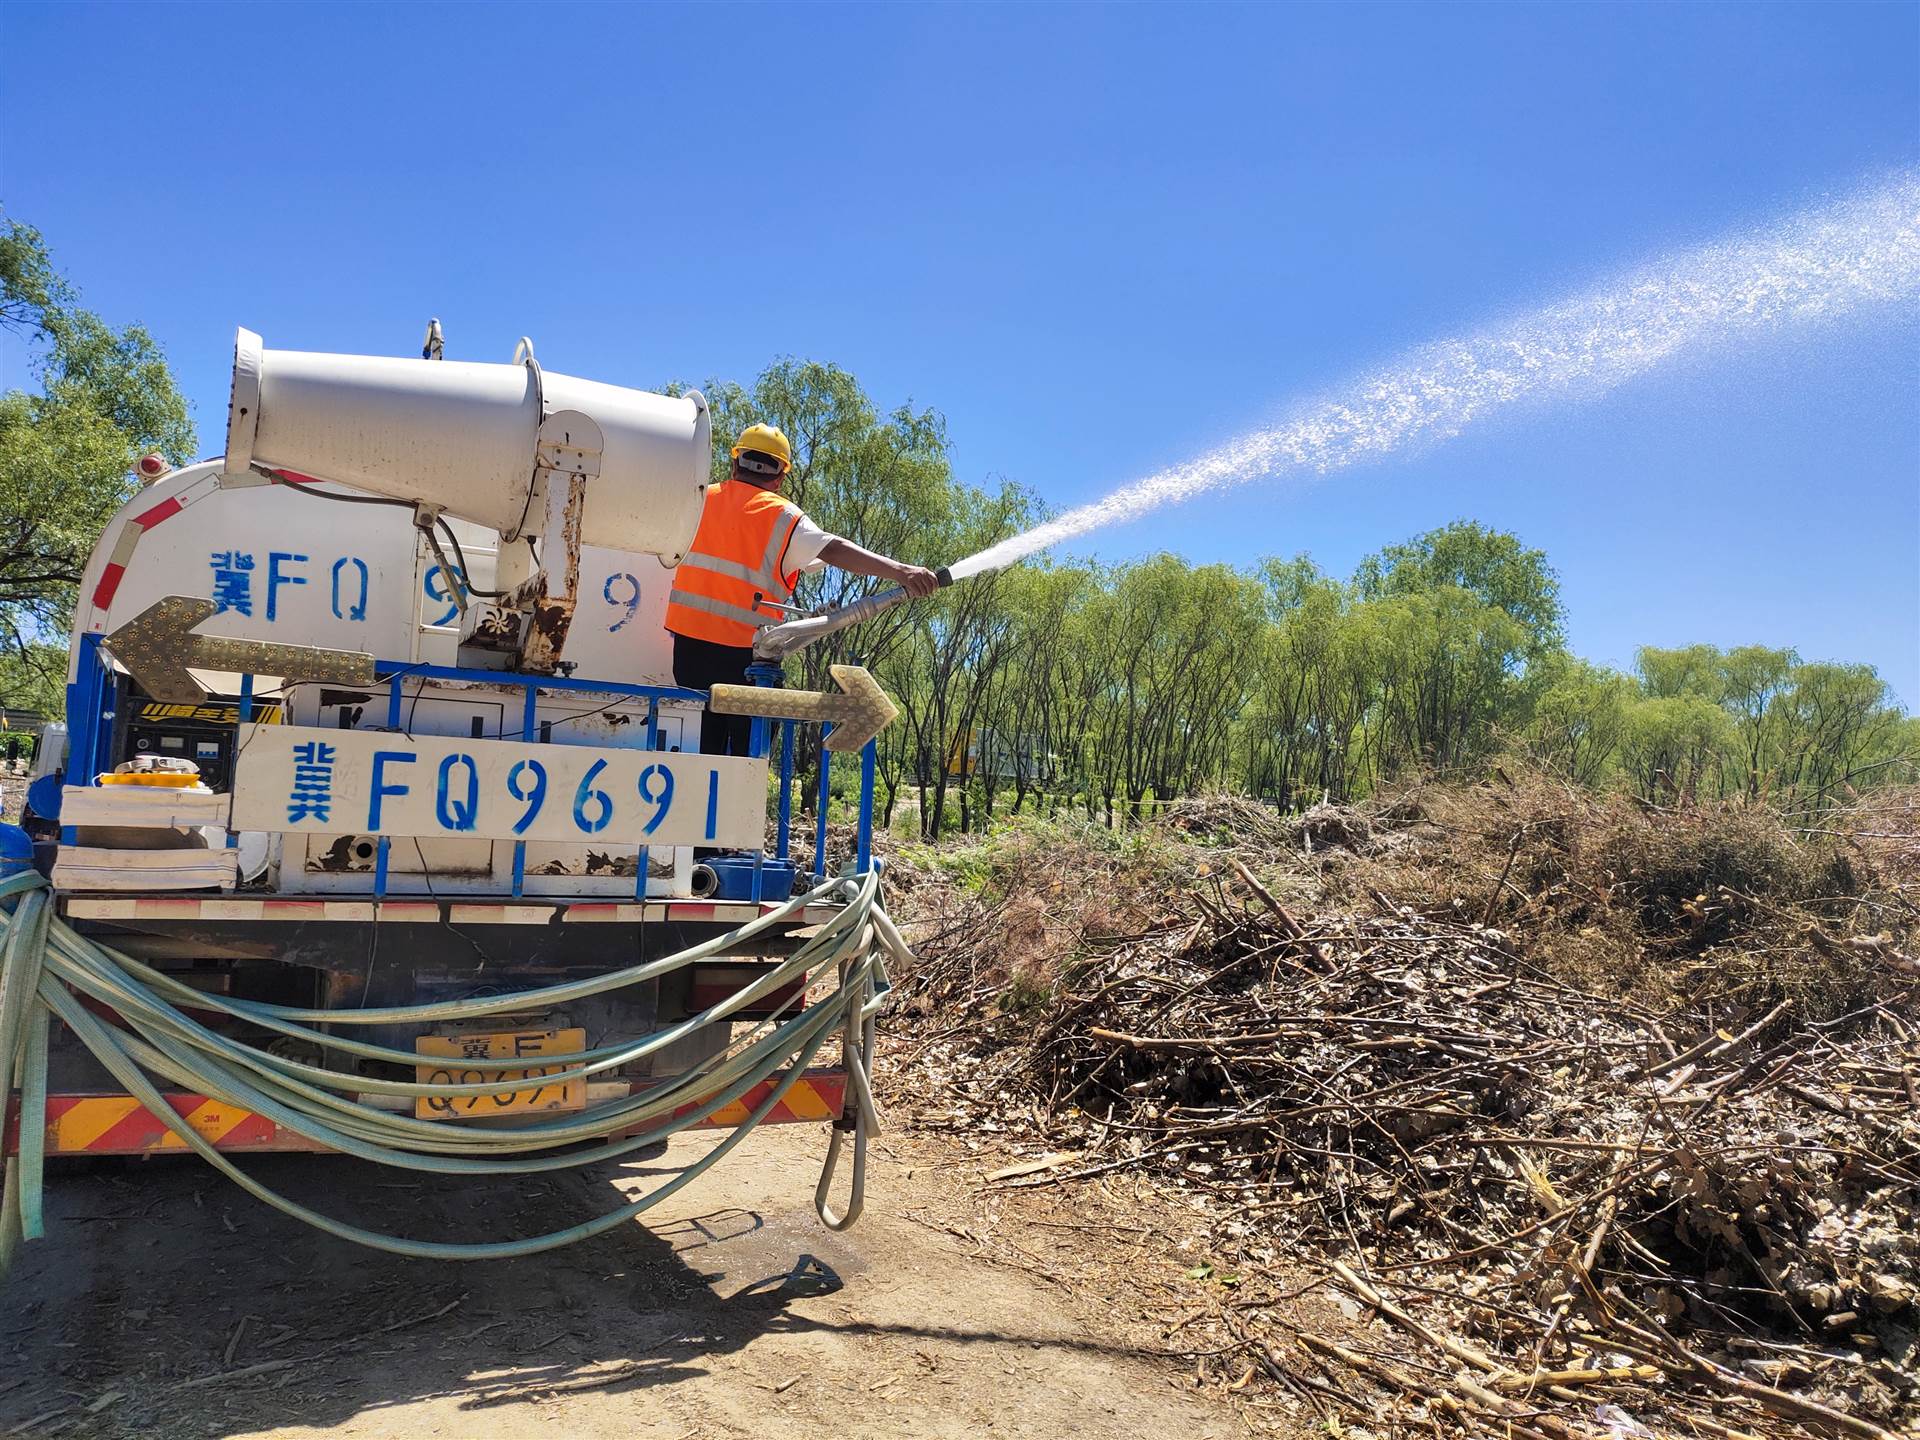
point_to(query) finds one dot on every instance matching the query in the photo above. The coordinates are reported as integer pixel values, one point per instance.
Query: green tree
(1580, 719)
(1489, 564)
(944, 674)
(1308, 694)
(1752, 678)
(1029, 721)
(1686, 670)
(1837, 732)
(67, 449)
(1449, 678)
(1674, 747)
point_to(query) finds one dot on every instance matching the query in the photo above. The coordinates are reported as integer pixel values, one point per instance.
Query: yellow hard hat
(768, 440)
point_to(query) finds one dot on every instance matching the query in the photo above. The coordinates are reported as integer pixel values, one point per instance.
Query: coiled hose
(48, 970)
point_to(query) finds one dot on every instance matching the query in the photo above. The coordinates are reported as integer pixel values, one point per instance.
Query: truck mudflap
(120, 1125)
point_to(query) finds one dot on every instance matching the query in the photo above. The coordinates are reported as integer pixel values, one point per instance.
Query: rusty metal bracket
(570, 452)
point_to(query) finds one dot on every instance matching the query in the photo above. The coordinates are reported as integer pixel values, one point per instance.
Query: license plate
(448, 1065)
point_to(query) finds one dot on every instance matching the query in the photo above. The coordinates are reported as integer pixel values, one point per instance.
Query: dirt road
(165, 1302)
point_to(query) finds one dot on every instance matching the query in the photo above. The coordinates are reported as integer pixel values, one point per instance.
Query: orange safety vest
(739, 550)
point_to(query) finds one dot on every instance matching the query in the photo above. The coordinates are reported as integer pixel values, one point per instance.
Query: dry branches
(1559, 1203)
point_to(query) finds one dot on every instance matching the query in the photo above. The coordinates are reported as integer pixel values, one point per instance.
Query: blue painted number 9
(656, 788)
(436, 588)
(535, 794)
(630, 602)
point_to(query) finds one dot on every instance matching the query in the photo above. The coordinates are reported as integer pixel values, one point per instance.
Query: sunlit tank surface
(462, 437)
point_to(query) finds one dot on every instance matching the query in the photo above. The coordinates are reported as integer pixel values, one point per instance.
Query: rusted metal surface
(547, 627)
(569, 461)
(494, 628)
(598, 862)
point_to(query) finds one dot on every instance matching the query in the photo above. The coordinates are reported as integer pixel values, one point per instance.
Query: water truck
(382, 827)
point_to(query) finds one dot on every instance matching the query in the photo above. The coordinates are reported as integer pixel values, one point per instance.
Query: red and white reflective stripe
(413, 912)
(117, 562)
(165, 510)
(500, 914)
(129, 538)
(424, 912)
(110, 577)
(632, 913)
(609, 910)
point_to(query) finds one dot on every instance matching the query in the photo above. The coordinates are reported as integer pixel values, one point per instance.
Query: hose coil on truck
(45, 967)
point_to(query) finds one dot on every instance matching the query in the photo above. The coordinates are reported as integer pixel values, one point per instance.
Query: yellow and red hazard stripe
(818, 1095)
(121, 1125)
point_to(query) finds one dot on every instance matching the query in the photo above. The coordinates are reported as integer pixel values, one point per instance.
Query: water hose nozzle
(776, 642)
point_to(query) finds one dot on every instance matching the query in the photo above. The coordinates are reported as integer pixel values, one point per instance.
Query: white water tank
(462, 436)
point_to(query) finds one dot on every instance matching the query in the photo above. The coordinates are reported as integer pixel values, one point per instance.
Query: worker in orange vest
(749, 553)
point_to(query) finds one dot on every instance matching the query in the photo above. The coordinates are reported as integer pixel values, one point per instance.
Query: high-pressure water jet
(1824, 263)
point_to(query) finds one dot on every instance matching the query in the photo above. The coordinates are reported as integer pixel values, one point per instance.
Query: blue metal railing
(90, 712)
(93, 697)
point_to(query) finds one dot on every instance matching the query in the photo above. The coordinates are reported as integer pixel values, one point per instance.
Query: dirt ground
(164, 1302)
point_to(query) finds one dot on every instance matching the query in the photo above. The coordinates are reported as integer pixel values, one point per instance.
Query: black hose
(460, 556)
(279, 478)
(460, 559)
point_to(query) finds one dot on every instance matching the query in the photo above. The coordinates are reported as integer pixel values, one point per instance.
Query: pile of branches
(1560, 1212)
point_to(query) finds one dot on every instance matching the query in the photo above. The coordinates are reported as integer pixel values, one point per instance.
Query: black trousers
(700, 665)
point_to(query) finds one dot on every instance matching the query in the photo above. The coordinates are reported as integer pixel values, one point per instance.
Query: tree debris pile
(1688, 1202)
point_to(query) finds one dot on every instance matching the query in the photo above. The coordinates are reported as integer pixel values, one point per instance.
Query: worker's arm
(856, 560)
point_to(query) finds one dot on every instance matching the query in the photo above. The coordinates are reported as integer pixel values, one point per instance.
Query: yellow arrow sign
(858, 713)
(158, 645)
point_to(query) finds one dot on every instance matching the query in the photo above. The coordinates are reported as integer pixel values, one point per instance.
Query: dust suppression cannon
(550, 462)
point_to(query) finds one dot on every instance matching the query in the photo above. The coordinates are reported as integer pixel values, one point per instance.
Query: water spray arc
(1824, 263)
(1821, 264)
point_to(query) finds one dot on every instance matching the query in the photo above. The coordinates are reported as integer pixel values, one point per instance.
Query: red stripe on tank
(164, 510)
(109, 583)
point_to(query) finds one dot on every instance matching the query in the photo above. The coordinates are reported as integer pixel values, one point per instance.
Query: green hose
(47, 968)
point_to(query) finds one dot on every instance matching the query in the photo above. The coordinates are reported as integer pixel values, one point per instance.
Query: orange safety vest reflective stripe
(739, 551)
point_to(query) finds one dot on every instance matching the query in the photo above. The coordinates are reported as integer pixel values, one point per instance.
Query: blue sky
(1100, 240)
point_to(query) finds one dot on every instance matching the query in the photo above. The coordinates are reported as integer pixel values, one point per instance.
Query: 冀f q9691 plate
(445, 1065)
